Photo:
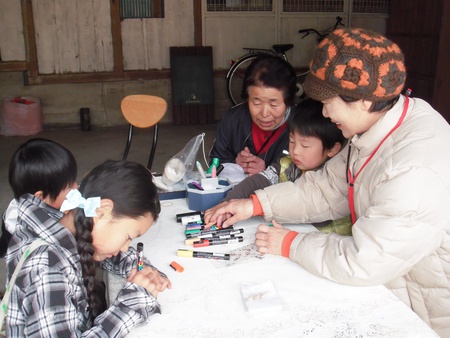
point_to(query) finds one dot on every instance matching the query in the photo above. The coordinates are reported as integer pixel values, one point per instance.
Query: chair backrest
(143, 111)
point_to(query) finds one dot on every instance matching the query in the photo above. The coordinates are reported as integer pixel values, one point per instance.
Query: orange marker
(177, 267)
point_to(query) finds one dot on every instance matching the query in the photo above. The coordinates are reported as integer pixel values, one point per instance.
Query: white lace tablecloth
(206, 299)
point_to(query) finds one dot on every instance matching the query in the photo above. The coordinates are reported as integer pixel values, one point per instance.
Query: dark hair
(274, 72)
(307, 119)
(376, 106)
(129, 185)
(41, 164)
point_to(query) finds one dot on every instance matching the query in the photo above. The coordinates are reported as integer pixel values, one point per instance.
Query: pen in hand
(140, 256)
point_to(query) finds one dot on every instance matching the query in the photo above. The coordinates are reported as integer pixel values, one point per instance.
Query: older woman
(392, 177)
(254, 133)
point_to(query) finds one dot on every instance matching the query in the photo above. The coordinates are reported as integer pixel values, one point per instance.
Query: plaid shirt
(49, 298)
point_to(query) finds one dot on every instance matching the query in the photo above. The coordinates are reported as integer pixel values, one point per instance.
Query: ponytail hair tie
(75, 200)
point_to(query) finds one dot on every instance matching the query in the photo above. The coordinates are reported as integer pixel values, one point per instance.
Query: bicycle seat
(282, 48)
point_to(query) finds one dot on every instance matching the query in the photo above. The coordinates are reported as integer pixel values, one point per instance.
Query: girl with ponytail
(54, 294)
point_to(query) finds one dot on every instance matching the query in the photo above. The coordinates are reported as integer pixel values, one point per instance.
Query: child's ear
(333, 151)
(105, 209)
(40, 194)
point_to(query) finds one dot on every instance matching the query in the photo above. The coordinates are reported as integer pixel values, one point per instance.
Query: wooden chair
(143, 111)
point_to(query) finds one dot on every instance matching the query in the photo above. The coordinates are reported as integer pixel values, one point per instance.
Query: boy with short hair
(43, 168)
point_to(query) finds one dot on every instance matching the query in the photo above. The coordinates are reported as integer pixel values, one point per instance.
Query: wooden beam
(198, 33)
(136, 75)
(116, 33)
(13, 66)
(30, 39)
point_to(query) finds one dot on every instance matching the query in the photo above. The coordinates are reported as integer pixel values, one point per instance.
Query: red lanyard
(352, 179)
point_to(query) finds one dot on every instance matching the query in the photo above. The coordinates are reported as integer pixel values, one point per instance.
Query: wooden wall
(82, 55)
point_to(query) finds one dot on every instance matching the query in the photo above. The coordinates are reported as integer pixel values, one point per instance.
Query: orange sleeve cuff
(257, 207)
(287, 241)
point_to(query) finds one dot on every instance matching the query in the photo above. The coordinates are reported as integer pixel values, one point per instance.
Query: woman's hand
(254, 165)
(150, 279)
(233, 212)
(241, 158)
(269, 239)
(211, 211)
(250, 163)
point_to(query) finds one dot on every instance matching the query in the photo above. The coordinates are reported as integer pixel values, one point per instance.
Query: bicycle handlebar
(308, 31)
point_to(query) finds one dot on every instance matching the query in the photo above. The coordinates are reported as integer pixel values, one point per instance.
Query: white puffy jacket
(402, 200)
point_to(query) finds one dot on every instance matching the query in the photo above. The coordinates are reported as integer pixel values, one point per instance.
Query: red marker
(214, 171)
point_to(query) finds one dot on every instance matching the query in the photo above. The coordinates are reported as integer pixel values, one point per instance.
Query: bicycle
(236, 73)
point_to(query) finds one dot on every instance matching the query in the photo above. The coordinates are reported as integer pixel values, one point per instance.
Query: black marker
(202, 254)
(140, 256)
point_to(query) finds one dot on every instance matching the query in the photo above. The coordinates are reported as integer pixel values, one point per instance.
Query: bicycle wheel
(235, 78)
(300, 95)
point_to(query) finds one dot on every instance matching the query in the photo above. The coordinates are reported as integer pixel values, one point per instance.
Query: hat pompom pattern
(357, 63)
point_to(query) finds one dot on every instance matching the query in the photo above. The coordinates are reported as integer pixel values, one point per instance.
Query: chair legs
(127, 147)
(153, 150)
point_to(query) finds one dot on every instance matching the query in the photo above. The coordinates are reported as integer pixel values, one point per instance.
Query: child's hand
(150, 279)
(269, 239)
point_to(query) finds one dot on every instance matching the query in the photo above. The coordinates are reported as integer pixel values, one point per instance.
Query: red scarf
(262, 139)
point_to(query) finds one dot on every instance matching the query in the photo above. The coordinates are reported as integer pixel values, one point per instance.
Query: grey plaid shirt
(49, 298)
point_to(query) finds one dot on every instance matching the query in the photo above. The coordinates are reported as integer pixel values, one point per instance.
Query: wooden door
(416, 26)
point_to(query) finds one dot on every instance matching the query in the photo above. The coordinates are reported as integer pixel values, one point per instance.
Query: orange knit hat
(357, 63)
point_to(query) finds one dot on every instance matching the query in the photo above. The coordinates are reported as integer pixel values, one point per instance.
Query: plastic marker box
(204, 199)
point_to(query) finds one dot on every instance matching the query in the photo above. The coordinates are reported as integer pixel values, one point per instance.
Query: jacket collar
(367, 142)
(43, 221)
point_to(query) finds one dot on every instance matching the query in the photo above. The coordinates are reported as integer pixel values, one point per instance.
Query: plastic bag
(182, 164)
(21, 116)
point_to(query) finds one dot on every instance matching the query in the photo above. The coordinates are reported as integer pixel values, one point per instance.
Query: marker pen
(177, 267)
(192, 219)
(219, 169)
(222, 233)
(180, 216)
(200, 169)
(215, 163)
(194, 227)
(201, 254)
(198, 186)
(191, 241)
(196, 232)
(140, 256)
(209, 242)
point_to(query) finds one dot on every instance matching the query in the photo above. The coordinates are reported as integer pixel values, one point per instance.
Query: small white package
(260, 296)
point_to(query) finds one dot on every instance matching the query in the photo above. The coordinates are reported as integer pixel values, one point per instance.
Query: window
(370, 6)
(304, 6)
(140, 9)
(239, 5)
(313, 5)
